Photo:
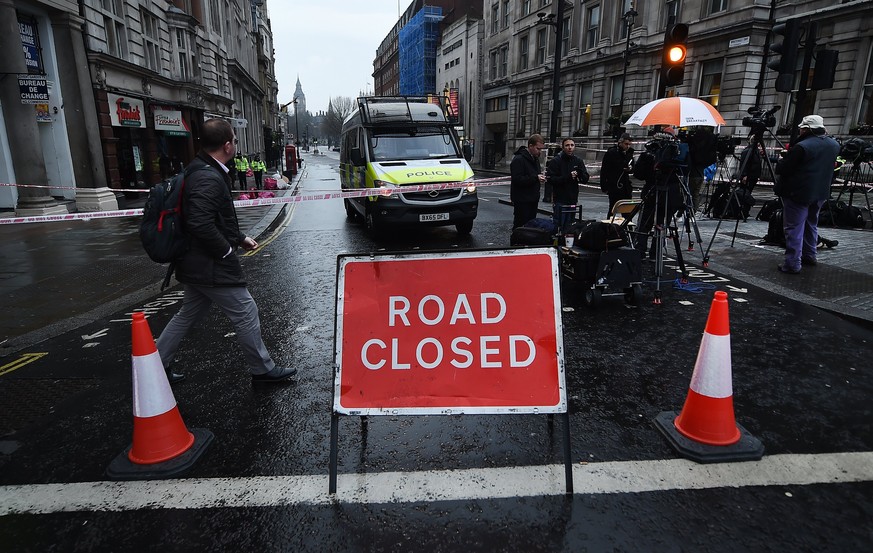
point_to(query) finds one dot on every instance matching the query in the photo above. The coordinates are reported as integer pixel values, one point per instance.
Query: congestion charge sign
(460, 332)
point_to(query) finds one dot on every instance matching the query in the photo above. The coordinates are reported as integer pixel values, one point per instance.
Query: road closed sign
(460, 332)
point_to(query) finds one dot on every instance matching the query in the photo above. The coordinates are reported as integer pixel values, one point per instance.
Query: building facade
(458, 69)
(131, 82)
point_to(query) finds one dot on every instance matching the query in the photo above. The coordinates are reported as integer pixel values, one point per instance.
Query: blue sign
(30, 44)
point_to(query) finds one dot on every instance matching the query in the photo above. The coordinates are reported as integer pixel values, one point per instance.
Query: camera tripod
(756, 142)
(659, 208)
(853, 184)
(722, 176)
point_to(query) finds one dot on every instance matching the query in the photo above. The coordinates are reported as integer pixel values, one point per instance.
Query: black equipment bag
(531, 236)
(599, 236)
(737, 208)
(775, 232)
(768, 209)
(837, 213)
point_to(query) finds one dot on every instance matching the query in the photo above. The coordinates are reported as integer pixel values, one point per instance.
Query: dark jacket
(524, 173)
(564, 186)
(612, 173)
(701, 146)
(807, 169)
(211, 226)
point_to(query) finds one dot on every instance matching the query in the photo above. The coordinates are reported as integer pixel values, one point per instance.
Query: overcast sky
(329, 44)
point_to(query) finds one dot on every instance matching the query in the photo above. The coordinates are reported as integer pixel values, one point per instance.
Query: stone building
(131, 82)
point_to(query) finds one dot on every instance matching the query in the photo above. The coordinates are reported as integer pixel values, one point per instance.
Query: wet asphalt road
(801, 381)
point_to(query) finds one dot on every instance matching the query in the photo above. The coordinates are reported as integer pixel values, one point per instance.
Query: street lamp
(284, 107)
(556, 21)
(628, 19)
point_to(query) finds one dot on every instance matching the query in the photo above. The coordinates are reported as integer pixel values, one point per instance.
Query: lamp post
(556, 21)
(628, 19)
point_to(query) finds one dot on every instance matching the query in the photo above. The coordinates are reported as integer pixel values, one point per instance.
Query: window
(495, 18)
(525, 7)
(565, 37)
(592, 27)
(865, 116)
(505, 14)
(583, 114)
(544, 3)
(626, 6)
(541, 47)
(187, 56)
(538, 112)
(114, 25)
(671, 9)
(716, 6)
(559, 123)
(523, 45)
(522, 107)
(214, 16)
(615, 92)
(501, 103)
(151, 50)
(504, 60)
(219, 73)
(710, 81)
(492, 66)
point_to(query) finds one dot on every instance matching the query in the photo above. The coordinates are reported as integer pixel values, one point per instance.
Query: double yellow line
(20, 362)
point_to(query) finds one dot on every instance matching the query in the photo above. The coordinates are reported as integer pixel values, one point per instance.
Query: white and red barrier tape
(325, 195)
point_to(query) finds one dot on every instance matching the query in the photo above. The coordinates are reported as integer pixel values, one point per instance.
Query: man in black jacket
(564, 172)
(615, 171)
(210, 270)
(525, 179)
(806, 173)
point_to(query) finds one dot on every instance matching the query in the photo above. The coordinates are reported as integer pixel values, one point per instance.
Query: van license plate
(433, 217)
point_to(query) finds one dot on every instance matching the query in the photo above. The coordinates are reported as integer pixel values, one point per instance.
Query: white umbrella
(677, 111)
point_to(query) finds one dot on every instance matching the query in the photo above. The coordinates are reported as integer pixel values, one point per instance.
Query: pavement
(55, 277)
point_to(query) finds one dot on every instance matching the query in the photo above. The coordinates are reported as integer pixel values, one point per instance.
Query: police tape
(255, 202)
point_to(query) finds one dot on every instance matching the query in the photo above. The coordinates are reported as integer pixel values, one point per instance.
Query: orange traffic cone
(706, 430)
(162, 445)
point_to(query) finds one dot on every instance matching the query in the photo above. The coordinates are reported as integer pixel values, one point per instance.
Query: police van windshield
(412, 144)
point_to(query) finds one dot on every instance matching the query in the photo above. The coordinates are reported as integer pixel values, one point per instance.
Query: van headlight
(470, 188)
(386, 189)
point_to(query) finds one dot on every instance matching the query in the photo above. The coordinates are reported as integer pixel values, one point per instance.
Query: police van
(394, 142)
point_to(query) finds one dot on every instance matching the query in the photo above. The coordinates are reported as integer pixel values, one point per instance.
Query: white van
(402, 141)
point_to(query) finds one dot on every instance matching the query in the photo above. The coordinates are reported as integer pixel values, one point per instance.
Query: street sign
(33, 90)
(448, 333)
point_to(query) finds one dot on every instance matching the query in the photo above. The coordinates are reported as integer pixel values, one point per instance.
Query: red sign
(464, 332)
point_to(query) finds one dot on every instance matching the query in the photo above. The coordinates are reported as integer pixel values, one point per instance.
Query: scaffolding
(418, 43)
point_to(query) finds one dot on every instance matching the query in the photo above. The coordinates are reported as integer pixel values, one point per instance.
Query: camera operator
(662, 193)
(702, 154)
(564, 172)
(806, 173)
(615, 171)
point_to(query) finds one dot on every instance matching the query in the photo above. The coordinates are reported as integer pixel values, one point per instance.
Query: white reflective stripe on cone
(712, 371)
(152, 395)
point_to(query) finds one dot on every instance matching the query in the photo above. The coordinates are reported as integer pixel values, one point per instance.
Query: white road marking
(686, 302)
(429, 486)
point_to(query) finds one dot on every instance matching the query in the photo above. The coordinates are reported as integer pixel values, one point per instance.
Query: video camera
(857, 150)
(758, 119)
(726, 146)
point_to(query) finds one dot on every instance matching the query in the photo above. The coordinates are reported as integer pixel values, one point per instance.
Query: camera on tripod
(758, 119)
(857, 150)
(726, 146)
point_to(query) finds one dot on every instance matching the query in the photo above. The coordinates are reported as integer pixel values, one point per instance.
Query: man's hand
(248, 244)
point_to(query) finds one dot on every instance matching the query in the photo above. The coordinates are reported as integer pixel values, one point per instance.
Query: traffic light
(825, 69)
(786, 64)
(675, 50)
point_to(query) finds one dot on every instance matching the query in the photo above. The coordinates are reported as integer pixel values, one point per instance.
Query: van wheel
(465, 227)
(351, 214)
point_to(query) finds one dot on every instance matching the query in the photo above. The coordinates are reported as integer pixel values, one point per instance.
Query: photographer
(564, 172)
(806, 173)
(662, 194)
(615, 171)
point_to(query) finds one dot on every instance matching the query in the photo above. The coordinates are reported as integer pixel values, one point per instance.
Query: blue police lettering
(428, 173)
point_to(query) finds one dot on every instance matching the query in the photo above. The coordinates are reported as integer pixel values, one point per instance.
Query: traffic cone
(706, 430)
(162, 445)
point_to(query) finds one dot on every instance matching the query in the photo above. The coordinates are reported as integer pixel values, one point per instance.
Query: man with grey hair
(806, 173)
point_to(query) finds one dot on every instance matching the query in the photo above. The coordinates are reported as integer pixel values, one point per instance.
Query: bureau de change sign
(459, 332)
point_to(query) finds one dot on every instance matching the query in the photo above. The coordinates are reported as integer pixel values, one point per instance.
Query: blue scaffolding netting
(417, 45)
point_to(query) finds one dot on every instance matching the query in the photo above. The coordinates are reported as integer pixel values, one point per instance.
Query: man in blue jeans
(805, 173)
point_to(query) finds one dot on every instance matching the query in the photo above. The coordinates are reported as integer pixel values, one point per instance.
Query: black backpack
(161, 230)
(775, 231)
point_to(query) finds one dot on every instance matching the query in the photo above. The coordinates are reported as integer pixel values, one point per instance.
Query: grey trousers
(237, 304)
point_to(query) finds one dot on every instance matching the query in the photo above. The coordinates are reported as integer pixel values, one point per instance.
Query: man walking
(258, 168)
(806, 173)
(210, 270)
(564, 172)
(526, 176)
(615, 171)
